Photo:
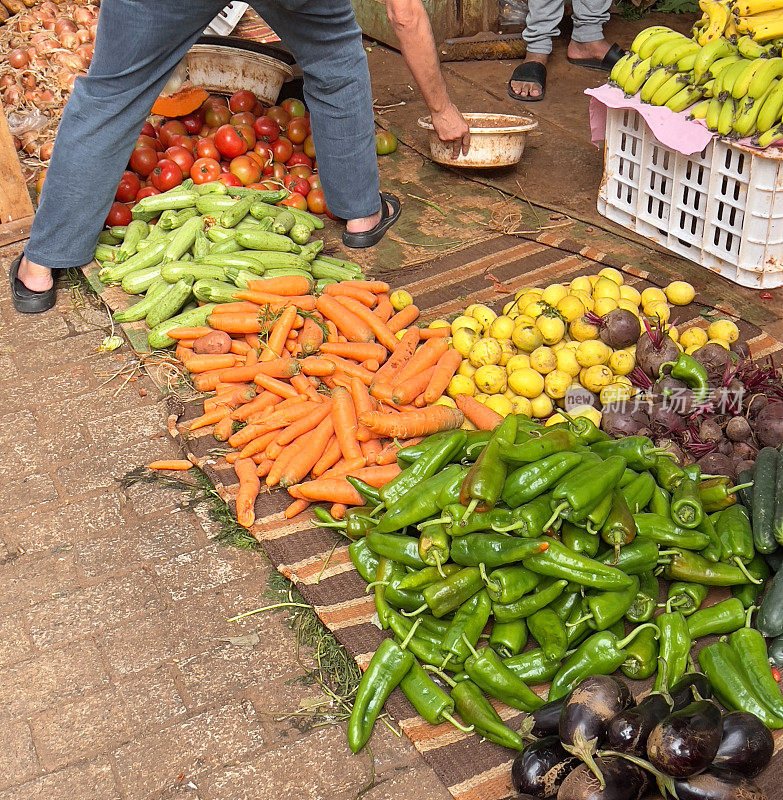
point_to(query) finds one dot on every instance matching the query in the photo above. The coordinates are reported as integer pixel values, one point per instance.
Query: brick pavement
(118, 679)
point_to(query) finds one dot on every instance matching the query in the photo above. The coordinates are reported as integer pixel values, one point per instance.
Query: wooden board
(16, 210)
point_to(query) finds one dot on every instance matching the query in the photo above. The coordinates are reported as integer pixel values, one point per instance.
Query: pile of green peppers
(489, 539)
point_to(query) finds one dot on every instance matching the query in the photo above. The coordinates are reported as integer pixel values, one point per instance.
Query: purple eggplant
(718, 785)
(629, 730)
(541, 767)
(686, 741)
(692, 686)
(623, 781)
(545, 720)
(746, 746)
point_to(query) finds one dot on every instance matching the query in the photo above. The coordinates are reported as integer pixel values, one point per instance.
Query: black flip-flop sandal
(374, 235)
(613, 55)
(25, 300)
(528, 72)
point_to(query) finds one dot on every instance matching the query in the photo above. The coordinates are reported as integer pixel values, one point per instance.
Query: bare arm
(417, 44)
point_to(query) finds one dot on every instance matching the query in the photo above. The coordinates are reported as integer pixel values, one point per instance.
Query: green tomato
(385, 143)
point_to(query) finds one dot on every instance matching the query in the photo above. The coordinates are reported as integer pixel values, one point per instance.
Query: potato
(213, 342)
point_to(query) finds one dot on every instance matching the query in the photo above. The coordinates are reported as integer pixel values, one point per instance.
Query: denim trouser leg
(326, 41)
(541, 25)
(590, 16)
(139, 42)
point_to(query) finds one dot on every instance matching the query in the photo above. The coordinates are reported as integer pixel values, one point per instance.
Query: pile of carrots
(308, 391)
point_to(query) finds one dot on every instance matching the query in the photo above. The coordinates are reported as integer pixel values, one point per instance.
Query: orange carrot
(253, 340)
(274, 385)
(434, 333)
(239, 322)
(249, 486)
(376, 476)
(354, 328)
(274, 302)
(371, 365)
(389, 453)
(379, 328)
(485, 419)
(408, 390)
(206, 381)
(174, 464)
(258, 445)
(400, 356)
(370, 450)
(209, 418)
(419, 422)
(362, 402)
(251, 357)
(329, 458)
(264, 465)
(426, 356)
(345, 425)
(279, 334)
(223, 428)
(312, 365)
(302, 426)
(274, 421)
(311, 448)
(362, 295)
(337, 511)
(292, 285)
(331, 490)
(350, 368)
(183, 353)
(384, 310)
(259, 403)
(236, 308)
(297, 507)
(231, 399)
(376, 287)
(188, 333)
(403, 319)
(447, 365)
(276, 368)
(331, 331)
(185, 344)
(358, 351)
(311, 337)
(303, 385)
(240, 348)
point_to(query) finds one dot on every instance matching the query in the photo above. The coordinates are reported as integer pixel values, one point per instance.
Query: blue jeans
(138, 44)
(543, 18)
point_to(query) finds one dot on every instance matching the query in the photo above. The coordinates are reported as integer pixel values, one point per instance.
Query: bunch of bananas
(761, 19)
(735, 87)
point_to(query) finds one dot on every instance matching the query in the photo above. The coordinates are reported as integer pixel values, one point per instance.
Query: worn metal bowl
(224, 69)
(496, 140)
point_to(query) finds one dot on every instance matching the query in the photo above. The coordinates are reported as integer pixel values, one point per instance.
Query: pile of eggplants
(596, 743)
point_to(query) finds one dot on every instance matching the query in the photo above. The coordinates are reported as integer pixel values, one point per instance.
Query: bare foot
(35, 277)
(583, 50)
(530, 88)
(362, 224)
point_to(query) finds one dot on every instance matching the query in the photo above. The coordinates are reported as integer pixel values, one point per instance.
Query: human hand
(451, 127)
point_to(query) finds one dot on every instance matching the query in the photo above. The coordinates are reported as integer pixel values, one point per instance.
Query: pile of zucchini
(209, 241)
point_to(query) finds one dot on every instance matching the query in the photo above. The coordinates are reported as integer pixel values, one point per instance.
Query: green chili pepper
(427, 575)
(712, 551)
(404, 599)
(365, 561)
(402, 549)
(428, 464)
(508, 638)
(369, 493)
(437, 627)
(386, 669)
(429, 700)
(553, 441)
(718, 493)
(686, 597)
(674, 646)
(749, 593)
(751, 649)
(356, 524)
(693, 471)
(527, 520)
(667, 472)
(467, 625)
(477, 711)
(494, 549)
(600, 654)
(684, 565)
(579, 539)
(643, 606)
(598, 514)
(692, 373)
(627, 477)
(449, 494)
(639, 492)
(574, 496)
(565, 603)
(686, 508)
(412, 453)
(529, 603)
(577, 624)
(482, 486)
(560, 562)
(586, 431)
(434, 545)
(636, 558)
(386, 571)
(736, 537)
(666, 532)
(620, 527)
(550, 632)
(488, 672)
(532, 480)
(449, 594)
(507, 584)
(641, 656)
(421, 505)
(606, 608)
(660, 502)
(722, 667)
(721, 618)
(533, 667)
(638, 452)
(423, 649)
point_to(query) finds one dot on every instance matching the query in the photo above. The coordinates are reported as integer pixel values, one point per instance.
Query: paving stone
(15, 641)
(51, 677)
(18, 762)
(56, 356)
(47, 327)
(147, 498)
(151, 699)
(128, 427)
(418, 781)
(93, 609)
(27, 491)
(88, 726)
(28, 580)
(93, 780)
(206, 741)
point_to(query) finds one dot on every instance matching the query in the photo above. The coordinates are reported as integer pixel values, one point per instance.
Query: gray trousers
(138, 44)
(543, 19)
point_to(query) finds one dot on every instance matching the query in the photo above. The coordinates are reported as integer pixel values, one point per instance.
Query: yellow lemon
(552, 329)
(621, 362)
(628, 305)
(566, 362)
(527, 337)
(614, 393)
(460, 384)
(554, 293)
(508, 351)
(541, 406)
(692, 349)
(612, 274)
(693, 336)
(490, 379)
(521, 405)
(482, 398)
(401, 333)
(658, 311)
(595, 378)
(680, 293)
(484, 315)
(652, 294)
(466, 368)
(629, 293)
(587, 300)
(400, 299)
(604, 287)
(722, 342)
(485, 351)
(582, 331)
(590, 412)
(559, 345)
(603, 305)
(501, 328)
(570, 307)
(555, 419)
(572, 344)
(581, 283)
(439, 323)
(593, 352)
(519, 361)
(512, 309)
(463, 341)
(543, 360)
(556, 384)
(500, 405)
(535, 309)
(445, 401)
(674, 333)
(465, 322)
(526, 382)
(723, 329)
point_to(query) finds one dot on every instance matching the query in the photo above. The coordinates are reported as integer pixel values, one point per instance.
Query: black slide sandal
(528, 72)
(25, 300)
(374, 235)
(613, 55)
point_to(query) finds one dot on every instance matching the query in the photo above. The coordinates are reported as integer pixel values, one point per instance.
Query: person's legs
(139, 42)
(587, 39)
(541, 26)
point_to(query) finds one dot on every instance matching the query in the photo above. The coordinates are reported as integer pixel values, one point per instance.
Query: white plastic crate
(721, 208)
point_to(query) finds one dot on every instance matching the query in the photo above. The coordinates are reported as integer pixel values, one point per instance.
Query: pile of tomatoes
(236, 141)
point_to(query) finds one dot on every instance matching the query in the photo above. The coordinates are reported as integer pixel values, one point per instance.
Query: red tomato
(230, 141)
(205, 170)
(271, 186)
(301, 171)
(314, 180)
(181, 157)
(128, 187)
(148, 130)
(293, 107)
(119, 214)
(295, 200)
(217, 115)
(261, 187)
(183, 141)
(299, 158)
(258, 109)
(279, 115)
(243, 100)
(276, 171)
(205, 148)
(169, 129)
(316, 203)
(264, 150)
(243, 118)
(283, 150)
(148, 141)
(260, 160)
(266, 129)
(193, 122)
(296, 185)
(309, 147)
(229, 179)
(246, 169)
(248, 134)
(147, 191)
(297, 130)
(166, 175)
(143, 160)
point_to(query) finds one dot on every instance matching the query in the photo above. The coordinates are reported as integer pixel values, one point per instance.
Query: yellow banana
(745, 8)
(724, 83)
(732, 32)
(770, 136)
(722, 63)
(740, 87)
(699, 111)
(647, 48)
(708, 88)
(713, 112)
(726, 116)
(709, 53)
(672, 51)
(746, 121)
(768, 32)
(618, 69)
(668, 89)
(638, 76)
(750, 49)
(771, 109)
(719, 18)
(653, 83)
(646, 34)
(685, 64)
(685, 98)
(771, 68)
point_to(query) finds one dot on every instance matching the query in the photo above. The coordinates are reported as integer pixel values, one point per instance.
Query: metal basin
(496, 140)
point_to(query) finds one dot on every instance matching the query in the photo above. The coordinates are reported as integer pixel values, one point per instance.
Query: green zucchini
(212, 205)
(177, 219)
(136, 231)
(174, 270)
(764, 480)
(321, 284)
(212, 291)
(307, 218)
(156, 234)
(240, 277)
(267, 241)
(270, 260)
(265, 210)
(769, 619)
(140, 310)
(224, 246)
(217, 233)
(107, 237)
(777, 517)
(140, 280)
(118, 231)
(148, 257)
(231, 217)
(192, 318)
(201, 246)
(183, 239)
(310, 251)
(240, 260)
(300, 233)
(213, 187)
(168, 201)
(106, 252)
(283, 223)
(341, 262)
(325, 269)
(171, 302)
(258, 195)
(288, 272)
